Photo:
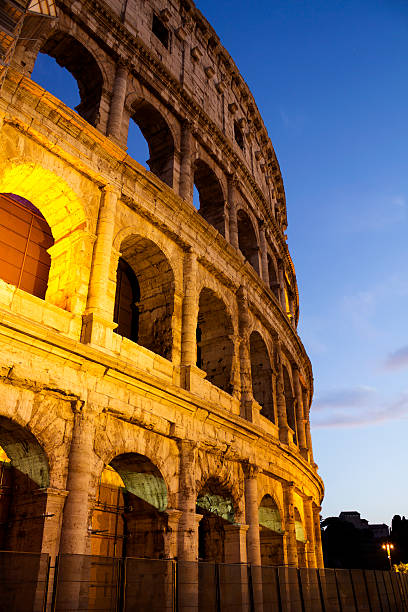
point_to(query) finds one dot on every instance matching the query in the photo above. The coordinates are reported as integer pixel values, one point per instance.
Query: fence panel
(149, 585)
(399, 601)
(23, 581)
(329, 589)
(289, 589)
(270, 588)
(345, 589)
(382, 591)
(233, 587)
(390, 591)
(372, 589)
(403, 579)
(86, 582)
(360, 590)
(309, 581)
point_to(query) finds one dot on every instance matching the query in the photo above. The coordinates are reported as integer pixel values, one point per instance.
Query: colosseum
(155, 394)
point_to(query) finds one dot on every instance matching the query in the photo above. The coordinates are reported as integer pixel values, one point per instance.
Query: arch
(247, 239)
(54, 198)
(290, 402)
(215, 504)
(273, 277)
(215, 347)
(156, 283)
(211, 196)
(300, 539)
(159, 138)
(71, 54)
(271, 532)
(24, 473)
(128, 517)
(261, 374)
(127, 297)
(25, 238)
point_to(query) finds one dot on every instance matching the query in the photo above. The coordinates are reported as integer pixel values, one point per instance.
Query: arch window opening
(70, 54)
(271, 532)
(128, 518)
(24, 476)
(216, 506)
(300, 540)
(261, 374)
(144, 300)
(273, 278)
(158, 137)
(214, 345)
(160, 31)
(208, 196)
(290, 403)
(247, 240)
(25, 238)
(137, 146)
(239, 135)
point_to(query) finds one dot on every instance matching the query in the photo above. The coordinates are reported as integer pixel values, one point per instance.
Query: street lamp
(388, 547)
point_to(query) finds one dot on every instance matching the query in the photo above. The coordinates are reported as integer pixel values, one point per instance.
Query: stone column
(190, 311)
(264, 255)
(307, 425)
(235, 546)
(117, 102)
(188, 528)
(310, 543)
(73, 565)
(253, 537)
(282, 288)
(317, 535)
(288, 490)
(98, 319)
(232, 205)
(281, 400)
(244, 357)
(171, 537)
(186, 178)
(300, 421)
(53, 519)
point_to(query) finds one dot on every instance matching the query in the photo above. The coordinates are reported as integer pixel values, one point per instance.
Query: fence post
(353, 590)
(338, 591)
(46, 585)
(250, 588)
(55, 584)
(302, 601)
(217, 587)
(319, 582)
(368, 594)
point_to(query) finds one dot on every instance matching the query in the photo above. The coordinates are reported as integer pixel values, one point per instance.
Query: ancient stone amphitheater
(155, 394)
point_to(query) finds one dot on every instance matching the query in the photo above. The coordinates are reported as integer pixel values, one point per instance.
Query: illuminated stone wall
(92, 398)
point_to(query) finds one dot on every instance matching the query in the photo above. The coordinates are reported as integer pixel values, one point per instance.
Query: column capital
(250, 469)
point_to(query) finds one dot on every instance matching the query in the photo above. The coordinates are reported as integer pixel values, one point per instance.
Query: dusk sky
(331, 81)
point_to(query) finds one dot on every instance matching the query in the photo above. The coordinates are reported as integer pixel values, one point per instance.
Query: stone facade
(194, 440)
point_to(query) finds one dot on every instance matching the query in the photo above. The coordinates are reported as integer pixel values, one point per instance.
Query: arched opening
(247, 240)
(214, 344)
(25, 238)
(24, 473)
(159, 139)
(210, 196)
(128, 518)
(261, 374)
(215, 504)
(300, 540)
(144, 299)
(271, 532)
(273, 277)
(69, 53)
(290, 403)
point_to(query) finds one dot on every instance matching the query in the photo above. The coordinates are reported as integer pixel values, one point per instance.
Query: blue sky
(331, 81)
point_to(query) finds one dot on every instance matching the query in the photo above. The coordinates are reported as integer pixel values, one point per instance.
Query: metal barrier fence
(106, 584)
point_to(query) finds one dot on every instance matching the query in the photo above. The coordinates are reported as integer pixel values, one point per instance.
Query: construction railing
(30, 583)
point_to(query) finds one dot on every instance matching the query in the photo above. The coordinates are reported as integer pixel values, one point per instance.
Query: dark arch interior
(145, 296)
(290, 403)
(25, 237)
(214, 344)
(261, 373)
(271, 532)
(247, 240)
(215, 504)
(210, 196)
(273, 277)
(159, 139)
(128, 517)
(22, 477)
(72, 55)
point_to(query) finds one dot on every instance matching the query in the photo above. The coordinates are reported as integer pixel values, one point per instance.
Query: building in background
(155, 394)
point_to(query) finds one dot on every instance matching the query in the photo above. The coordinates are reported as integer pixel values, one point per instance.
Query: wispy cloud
(352, 407)
(398, 359)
